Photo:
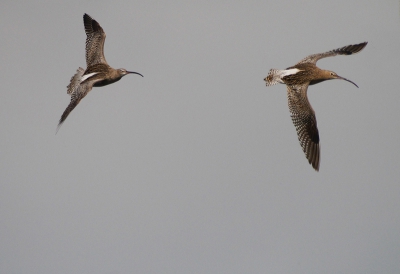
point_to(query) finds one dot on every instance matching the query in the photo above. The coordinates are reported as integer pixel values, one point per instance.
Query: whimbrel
(98, 73)
(297, 79)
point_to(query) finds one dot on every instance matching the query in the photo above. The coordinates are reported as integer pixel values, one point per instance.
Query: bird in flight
(297, 79)
(98, 73)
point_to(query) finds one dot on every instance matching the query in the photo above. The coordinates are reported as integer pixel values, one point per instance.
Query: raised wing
(303, 117)
(95, 37)
(347, 50)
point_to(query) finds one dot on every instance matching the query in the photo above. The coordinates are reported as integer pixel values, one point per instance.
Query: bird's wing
(95, 37)
(303, 117)
(76, 96)
(347, 50)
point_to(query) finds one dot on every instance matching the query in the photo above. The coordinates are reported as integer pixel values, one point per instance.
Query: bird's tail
(274, 77)
(75, 81)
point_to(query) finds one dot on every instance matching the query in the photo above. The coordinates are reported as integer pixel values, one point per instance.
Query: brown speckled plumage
(98, 72)
(297, 79)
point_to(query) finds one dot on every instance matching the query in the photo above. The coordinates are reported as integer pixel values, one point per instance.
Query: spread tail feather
(274, 77)
(75, 80)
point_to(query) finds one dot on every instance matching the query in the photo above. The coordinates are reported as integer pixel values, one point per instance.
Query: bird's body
(98, 73)
(103, 75)
(297, 79)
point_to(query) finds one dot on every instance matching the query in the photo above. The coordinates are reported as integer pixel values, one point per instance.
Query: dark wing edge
(347, 50)
(303, 117)
(95, 38)
(76, 97)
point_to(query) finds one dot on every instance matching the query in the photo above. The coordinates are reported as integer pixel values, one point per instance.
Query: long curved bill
(340, 77)
(132, 72)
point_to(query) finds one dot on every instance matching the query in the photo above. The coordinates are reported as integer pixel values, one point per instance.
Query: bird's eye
(333, 74)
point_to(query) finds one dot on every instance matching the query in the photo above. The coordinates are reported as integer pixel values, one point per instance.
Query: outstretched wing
(303, 117)
(76, 96)
(95, 37)
(347, 50)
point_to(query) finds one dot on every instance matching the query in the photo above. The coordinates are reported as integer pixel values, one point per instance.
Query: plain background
(196, 168)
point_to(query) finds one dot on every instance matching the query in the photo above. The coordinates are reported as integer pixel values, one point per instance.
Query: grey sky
(196, 168)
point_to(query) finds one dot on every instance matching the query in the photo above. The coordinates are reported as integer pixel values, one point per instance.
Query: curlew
(98, 73)
(297, 79)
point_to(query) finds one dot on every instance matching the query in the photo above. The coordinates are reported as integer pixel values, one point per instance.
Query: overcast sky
(196, 168)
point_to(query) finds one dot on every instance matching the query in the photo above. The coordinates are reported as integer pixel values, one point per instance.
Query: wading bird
(98, 73)
(297, 79)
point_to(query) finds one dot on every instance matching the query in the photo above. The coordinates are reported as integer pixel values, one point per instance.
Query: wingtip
(59, 126)
(357, 47)
(315, 164)
(90, 24)
(363, 44)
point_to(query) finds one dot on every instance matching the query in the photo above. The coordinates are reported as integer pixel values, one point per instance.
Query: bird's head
(332, 75)
(122, 72)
